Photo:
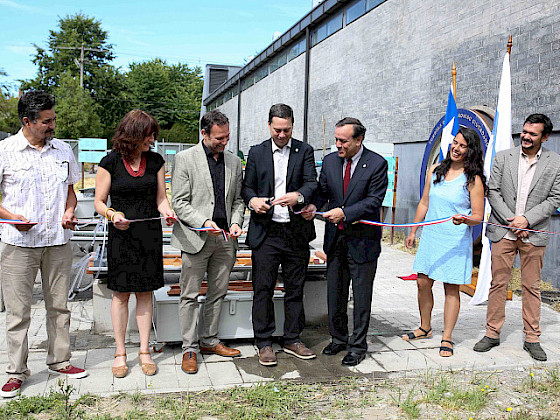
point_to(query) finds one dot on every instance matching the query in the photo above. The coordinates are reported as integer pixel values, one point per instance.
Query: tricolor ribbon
(435, 222)
(211, 229)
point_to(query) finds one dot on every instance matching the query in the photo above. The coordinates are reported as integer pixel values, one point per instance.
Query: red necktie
(345, 182)
(347, 175)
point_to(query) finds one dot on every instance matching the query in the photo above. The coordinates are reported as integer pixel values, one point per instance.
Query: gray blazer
(543, 199)
(193, 196)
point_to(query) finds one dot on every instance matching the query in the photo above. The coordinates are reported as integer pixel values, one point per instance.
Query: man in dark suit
(279, 178)
(352, 183)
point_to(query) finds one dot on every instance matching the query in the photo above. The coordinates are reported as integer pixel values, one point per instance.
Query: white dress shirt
(281, 157)
(35, 184)
(526, 172)
(355, 160)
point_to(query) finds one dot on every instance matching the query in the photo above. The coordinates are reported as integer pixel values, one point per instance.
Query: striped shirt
(35, 184)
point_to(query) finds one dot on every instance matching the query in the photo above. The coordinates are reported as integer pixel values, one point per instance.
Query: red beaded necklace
(141, 168)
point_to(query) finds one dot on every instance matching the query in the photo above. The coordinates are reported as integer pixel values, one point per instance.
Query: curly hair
(474, 160)
(131, 132)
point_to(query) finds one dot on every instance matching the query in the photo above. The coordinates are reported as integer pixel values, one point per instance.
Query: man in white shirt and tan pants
(36, 177)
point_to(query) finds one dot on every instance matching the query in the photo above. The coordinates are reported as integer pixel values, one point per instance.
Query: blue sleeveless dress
(445, 250)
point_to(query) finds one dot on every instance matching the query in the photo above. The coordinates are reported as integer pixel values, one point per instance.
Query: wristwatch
(300, 198)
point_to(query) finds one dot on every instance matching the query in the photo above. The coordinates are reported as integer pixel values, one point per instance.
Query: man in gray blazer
(524, 191)
(206, 194)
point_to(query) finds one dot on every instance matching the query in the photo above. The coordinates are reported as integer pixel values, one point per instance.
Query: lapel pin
(297, 150)
(364, 165)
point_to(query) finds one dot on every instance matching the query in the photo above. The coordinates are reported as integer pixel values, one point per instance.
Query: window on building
(334, 24)
(247, 82)
(261, 73)
(296, 49)
(373, 3)
(355, 10)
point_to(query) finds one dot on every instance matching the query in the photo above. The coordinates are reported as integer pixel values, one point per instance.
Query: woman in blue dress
(457, 187)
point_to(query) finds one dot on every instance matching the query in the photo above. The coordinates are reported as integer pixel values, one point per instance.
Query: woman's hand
(409, 241)
(120, 222)
(458, 219)
(170, 217)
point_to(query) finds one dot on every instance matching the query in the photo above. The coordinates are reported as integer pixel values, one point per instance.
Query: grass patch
(409, 406)
(445, 393)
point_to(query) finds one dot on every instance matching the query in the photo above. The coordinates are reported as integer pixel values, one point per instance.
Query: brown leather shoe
(267, 356)
(189, 362)
(299, 350)
(220, 349)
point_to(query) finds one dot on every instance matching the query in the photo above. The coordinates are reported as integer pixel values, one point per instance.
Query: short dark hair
(280, 111)
(540, 119)
(212, 118)
(359, 129)
(33, 102)
(135, 126)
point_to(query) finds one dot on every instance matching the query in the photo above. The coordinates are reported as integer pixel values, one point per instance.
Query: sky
(186, 31)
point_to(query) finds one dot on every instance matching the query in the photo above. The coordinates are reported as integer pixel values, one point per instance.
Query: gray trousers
(19, 270)
(216, 258)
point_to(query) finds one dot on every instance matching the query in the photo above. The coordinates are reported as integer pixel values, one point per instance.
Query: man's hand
(210, 224)
(235, 230)
(69, 219)
(519, 222)
(308, 212)
(23, 227)
(289, 199)
(335, 215)
(120, 222)
(409, 241)
(259, 204)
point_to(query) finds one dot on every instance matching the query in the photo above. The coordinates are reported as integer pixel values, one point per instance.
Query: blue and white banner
(450, 125)
(499, 140)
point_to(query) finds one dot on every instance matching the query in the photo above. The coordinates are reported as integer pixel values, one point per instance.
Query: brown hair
(131, 132)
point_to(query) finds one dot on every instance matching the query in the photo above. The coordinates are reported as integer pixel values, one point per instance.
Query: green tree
(171, 93)
(76, 111)
(9, 120)
(64, 53)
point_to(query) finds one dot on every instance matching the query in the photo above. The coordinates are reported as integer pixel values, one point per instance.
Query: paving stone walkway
(394, 312)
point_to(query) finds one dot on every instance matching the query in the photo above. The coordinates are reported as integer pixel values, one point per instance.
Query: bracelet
(106, 211)
(117, 212)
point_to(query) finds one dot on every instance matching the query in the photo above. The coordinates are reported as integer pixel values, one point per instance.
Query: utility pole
(80, 63)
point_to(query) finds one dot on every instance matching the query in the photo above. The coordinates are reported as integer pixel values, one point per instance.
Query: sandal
(446, 348)
(148, 368)
(120, 371)
(411, 336)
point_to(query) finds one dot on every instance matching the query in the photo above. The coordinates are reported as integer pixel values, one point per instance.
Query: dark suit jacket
(363, 200)
(259, 182)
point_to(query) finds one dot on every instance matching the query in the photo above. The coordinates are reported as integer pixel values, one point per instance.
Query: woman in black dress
(134, 178)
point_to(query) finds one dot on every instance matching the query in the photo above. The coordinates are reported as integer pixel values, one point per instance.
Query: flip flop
(411, 336)
(446, 348)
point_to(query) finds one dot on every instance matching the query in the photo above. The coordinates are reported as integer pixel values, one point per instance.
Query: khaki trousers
(216, 258)
(503, 255)
(19, 270)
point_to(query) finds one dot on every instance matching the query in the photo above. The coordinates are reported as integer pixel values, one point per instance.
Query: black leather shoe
(353, 359)
(535, 350)
(486, 343)
(334, 348)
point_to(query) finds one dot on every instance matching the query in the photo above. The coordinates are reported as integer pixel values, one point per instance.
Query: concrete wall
(392, 68)
(285, 85)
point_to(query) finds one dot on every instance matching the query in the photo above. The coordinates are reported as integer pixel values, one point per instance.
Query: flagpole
(454, 74)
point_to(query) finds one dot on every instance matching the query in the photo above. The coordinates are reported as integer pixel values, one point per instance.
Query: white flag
(499, 140)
